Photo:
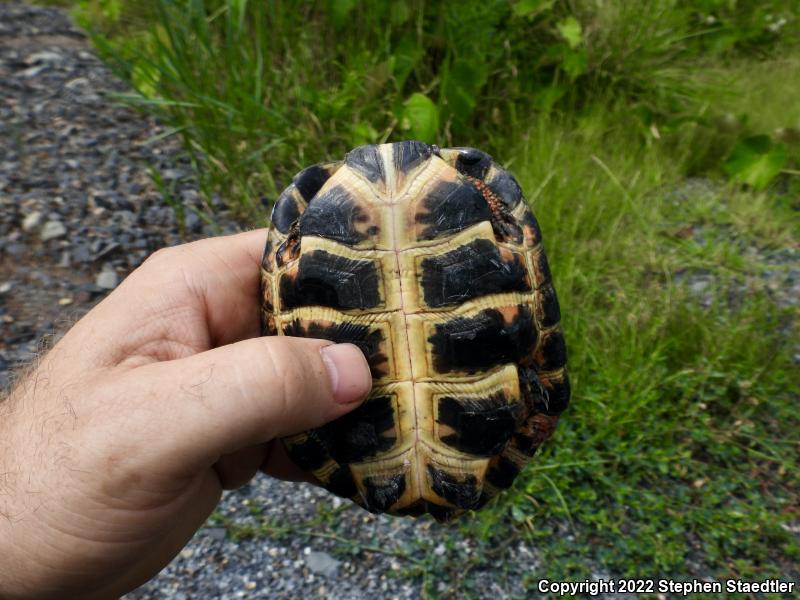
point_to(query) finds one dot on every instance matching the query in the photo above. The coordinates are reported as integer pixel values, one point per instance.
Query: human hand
(117, 447)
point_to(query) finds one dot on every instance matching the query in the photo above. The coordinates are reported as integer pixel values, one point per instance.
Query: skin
(117, 446)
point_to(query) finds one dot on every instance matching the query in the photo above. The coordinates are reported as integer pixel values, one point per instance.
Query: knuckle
(293, 373)
(159, 256)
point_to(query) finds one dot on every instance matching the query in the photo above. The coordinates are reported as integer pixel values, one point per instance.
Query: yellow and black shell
(431, 262)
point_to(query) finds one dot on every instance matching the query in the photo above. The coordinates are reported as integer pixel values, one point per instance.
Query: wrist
(15, 568)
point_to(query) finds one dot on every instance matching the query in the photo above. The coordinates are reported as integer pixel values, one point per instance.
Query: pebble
(216, 533)
(52, 230)
(322, 563)
(43, 57)
(32, 221)
(192, 222)
(107, 279)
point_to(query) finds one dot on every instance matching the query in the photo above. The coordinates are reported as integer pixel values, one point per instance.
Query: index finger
(222, 274)
(187, 298)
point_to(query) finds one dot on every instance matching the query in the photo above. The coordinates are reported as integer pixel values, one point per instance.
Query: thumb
(219, 401)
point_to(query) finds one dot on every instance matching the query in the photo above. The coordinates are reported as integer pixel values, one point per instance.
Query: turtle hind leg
(504, 225)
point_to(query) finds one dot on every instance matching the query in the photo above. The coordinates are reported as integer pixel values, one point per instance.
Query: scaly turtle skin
(430, 261)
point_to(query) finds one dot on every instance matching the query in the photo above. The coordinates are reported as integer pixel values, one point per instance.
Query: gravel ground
(77, 213)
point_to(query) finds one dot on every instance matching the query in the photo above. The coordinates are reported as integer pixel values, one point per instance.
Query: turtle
(431, 262)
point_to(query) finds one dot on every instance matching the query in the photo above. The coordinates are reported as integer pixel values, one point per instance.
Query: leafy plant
(756, 161)
(258, 90)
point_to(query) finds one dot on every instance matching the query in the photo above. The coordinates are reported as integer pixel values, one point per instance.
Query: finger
(222, 274)
(236, 469)
(194, 410)
(210, 287)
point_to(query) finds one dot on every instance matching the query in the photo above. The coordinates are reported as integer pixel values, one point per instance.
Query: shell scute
(447, 208)
(337, 215)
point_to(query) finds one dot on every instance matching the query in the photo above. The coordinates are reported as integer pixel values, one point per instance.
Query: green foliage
(420, 118)
(756, 160)
(759, 26)
(257, 90)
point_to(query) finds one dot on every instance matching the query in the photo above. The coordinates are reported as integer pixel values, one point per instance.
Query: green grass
(258, 90)
(678, 455)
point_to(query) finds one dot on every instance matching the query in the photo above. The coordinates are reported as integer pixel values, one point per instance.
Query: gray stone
(77, 82)
(33, 71)
(107, 279)
(173, 174)
(192, 222)
(322, 563)
(216, 533)
(46, 56)
(32, 221)
(52, 230)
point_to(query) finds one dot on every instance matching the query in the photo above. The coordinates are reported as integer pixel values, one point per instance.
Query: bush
(258, 90)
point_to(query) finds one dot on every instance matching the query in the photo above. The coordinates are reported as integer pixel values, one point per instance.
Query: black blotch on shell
(441, 513)
(380, 493)
(333, 215)
(358, 435)
(505, 187)
(266, 257)
(341, 483)
(530, 221)
(525, 444)
(473, 162)
(481, 427)
(463, 493)
(309, 181)
(268, 326)
(367, 161)
(541, 268)
(552, 353)
(408, 155)
(413, 510)
(309, 454)
(558, 393)
(481, 342)
(469, 271)
(548, 312)
(534, 397)
(451, 207)
(502, 473)
(325, 279)
(286, 210)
